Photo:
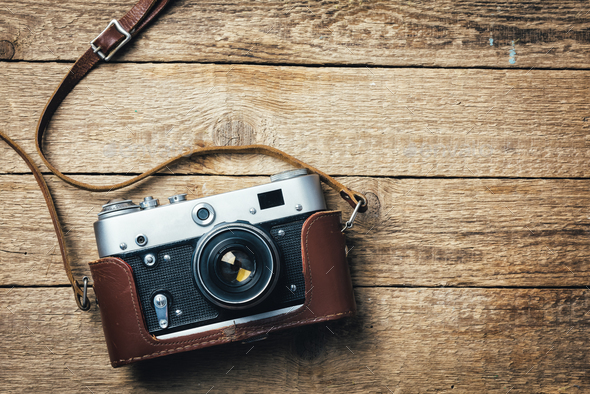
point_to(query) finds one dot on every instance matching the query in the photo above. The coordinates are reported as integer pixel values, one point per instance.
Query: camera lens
(236, 266)
(203, 213)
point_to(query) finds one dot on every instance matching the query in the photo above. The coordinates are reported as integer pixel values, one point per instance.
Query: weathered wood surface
(402, 340)
(402, 33)
(418, 232)
(125, 118)
(469, 277)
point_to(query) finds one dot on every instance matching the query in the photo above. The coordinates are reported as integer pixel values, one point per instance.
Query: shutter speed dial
(117, 207)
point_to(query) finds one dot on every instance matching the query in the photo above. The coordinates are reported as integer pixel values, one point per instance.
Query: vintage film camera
(215, 261)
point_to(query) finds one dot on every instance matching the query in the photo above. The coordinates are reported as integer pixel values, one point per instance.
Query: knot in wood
(6, 50)
(233, 132)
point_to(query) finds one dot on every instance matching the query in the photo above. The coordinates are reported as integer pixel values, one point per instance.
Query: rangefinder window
(271, 199)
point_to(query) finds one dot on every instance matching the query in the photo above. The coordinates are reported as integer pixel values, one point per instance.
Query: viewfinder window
(271, 199)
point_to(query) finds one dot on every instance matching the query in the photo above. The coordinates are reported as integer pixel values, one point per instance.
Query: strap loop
(109, 55)
(350, 221)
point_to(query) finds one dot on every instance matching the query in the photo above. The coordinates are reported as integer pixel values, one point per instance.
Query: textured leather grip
(329, 296)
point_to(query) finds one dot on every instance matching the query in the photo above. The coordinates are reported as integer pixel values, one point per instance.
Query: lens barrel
(236, 266)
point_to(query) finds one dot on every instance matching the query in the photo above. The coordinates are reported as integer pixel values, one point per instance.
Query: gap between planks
(311, 65)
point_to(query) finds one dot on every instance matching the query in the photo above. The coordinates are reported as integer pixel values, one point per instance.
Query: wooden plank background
(446, 33)
(436, 122)
(466, 123)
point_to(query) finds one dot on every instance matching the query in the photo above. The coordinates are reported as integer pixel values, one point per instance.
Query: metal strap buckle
(350, 221)
(120, 29)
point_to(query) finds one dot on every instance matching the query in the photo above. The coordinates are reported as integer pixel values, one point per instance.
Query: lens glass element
(235, 267)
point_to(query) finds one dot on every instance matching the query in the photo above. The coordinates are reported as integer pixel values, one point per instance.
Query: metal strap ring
(350, 221)
(85, 305)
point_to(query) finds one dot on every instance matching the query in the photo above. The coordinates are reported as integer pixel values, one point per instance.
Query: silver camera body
(214, 261)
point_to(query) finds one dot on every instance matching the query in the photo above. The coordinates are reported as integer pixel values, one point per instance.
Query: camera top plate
(178, 221)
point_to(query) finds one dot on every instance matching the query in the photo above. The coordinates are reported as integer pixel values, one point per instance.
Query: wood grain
(418, 232)
(468, 131)
(447, 33)
(402, 340)
(125, 118)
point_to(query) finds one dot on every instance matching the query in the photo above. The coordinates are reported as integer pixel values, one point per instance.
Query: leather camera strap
(109, 41)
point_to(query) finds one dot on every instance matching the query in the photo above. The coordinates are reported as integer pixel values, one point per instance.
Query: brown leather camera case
(327, 282)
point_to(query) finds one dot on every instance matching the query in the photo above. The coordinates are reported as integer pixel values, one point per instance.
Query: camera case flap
(329, 296)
